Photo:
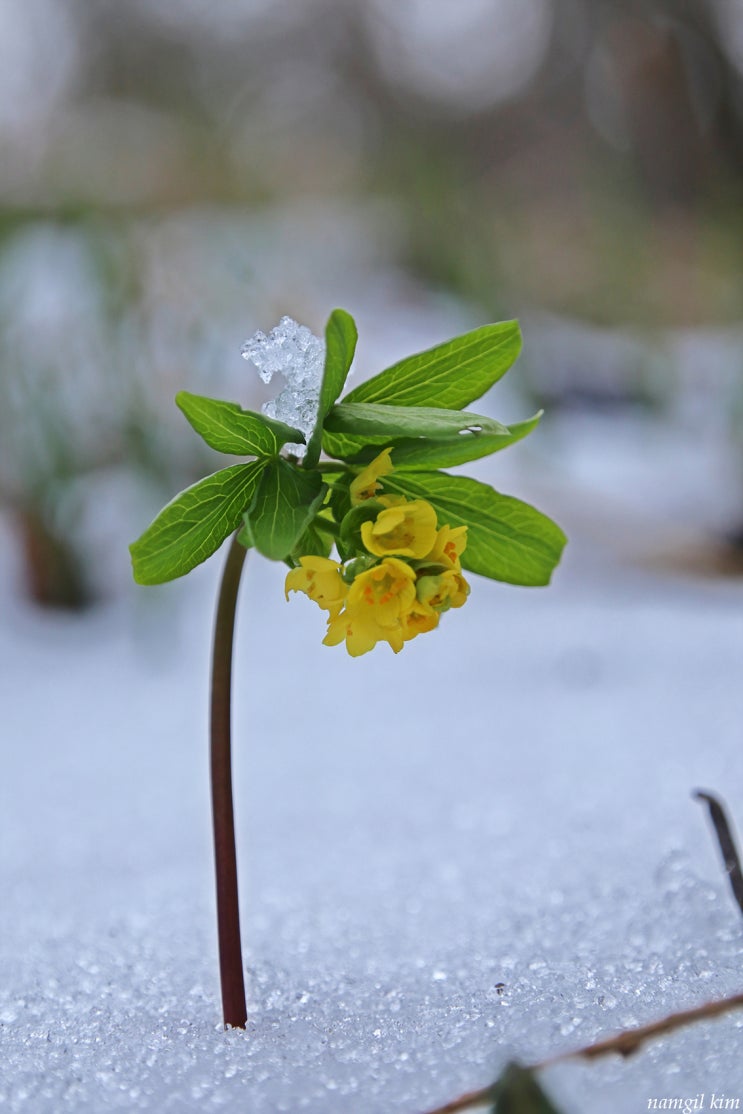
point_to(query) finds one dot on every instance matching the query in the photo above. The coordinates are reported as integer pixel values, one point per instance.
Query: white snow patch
(293, 351)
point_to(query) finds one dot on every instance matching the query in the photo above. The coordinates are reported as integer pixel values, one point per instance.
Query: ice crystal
(299, 356)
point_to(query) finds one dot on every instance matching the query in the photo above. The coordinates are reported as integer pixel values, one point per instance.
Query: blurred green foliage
(582, 160)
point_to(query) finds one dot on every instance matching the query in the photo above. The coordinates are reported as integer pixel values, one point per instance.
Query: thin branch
(724, 834)
(630, 1041)
(625, 1044)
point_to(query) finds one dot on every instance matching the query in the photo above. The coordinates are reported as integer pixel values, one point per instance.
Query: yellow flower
(450, 544)
(320, 579)
(361, 632)
(407, 529)
(388, 588)
(419, 620)
(366, 484)
(440, 592)
(377, 604)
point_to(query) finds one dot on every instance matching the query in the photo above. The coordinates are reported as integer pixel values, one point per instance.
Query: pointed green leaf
(376, 420)
(245, 536)
(194, 524)
(343, 446)
(314, 542)
(350, 526)
(225, 426)
(518, 1092)
(422, 454)
(285, 503)
(340, 345)
(506, 539)
(451, 375)
(339, 497)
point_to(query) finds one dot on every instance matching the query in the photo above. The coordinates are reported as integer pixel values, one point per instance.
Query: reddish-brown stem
(228, 910)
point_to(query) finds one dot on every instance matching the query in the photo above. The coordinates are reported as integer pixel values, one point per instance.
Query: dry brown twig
(729, 851)
(625, 1044)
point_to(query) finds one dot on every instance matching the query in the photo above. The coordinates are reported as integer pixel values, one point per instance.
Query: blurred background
(176, 174)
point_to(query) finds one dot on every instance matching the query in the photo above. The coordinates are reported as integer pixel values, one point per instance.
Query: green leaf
(345, 447)
(506, 539)
(422, 454)
(340, 345)
(376, 420)
(194, 524)
(225, 426)
(449, 376)
(245, 536)
(518, 1092)
(339, 497)
(314, 542)
(350, 527)
(285, 503)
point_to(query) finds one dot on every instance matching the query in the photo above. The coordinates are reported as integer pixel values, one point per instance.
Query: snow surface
(505, 802)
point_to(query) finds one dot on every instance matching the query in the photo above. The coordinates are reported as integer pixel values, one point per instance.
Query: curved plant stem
(228, 911)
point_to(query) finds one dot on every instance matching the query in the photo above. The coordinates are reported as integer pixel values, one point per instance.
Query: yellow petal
(321, 580)
(408, 530)
(419, 620)
(451, 541)
(366, 484)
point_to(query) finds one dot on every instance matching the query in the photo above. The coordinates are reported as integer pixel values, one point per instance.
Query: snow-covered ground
(506, 802)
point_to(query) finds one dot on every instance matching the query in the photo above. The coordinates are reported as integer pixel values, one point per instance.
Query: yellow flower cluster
(411, 572)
